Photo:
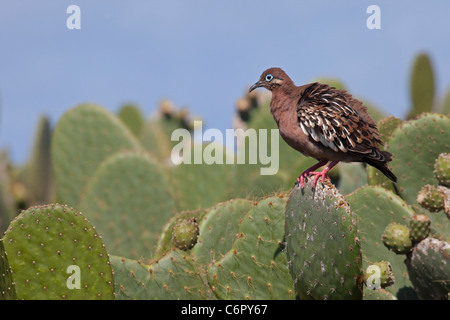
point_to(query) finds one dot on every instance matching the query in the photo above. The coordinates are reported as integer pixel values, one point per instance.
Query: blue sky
(203, 54)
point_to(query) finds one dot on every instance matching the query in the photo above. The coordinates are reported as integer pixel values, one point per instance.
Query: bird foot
(303, 177)
(323, 173)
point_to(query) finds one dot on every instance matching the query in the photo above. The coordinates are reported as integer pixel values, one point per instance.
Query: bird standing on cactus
(325, 123)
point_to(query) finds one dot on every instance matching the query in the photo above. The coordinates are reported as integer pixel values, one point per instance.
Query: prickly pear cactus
(431, 198)
(351, 176)
(323, 246)
(385, 127)
(37, 175)
(397, 237)
(174, 277)
(415, 145)
(445, 104)
(129, 199)
(256, 266)
(422, 86)
(420, 226)
(219, 229)
(442, 169)
(429, 269)
(8, 200)
(82, 139)
(7, 289)
(132, 117)
(156, 141)
(215, 185)
(446, 192)
(55, 253)
(375, 208)
(247, 181)
(157, 131)
(380, 294)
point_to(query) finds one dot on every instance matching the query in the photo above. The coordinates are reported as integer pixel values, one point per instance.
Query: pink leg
(323, 173)
(305, 173)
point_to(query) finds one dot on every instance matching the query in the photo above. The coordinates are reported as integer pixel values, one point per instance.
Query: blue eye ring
(269, 77)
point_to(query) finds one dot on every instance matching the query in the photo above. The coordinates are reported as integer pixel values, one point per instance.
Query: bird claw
(301, 179)
(322, 174)
(310, 172)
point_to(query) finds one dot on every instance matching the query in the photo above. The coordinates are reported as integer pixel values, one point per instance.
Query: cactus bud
(431, 198)
(185, 234)
(442, 169)
(420, 227)
(396, 237)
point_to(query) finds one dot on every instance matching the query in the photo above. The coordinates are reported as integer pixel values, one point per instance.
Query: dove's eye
(269, 77)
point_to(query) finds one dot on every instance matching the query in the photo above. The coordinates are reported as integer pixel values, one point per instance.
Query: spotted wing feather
(333, 118)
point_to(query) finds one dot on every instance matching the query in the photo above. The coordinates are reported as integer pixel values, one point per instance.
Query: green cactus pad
(379, 275)
(173, 277)
(219, 230)
(442, 169)
(351, 177)
(380, 294)
(82, 139)
(129, 199)
(256, 267)
(415, 145)
(157, 132)
(8, 198)
(185, 234)
(323, 244)
(446, 192)
(376, 207)
(429, 269)
(7, 289)
(198, 186)
(422, 86)
(37, 174)
(48, 247)
(397, 237)
(249, 183)
(431, 198)
(445, 104)
(385, 127)
(440, 226)
(420, 227)
(156, 141)
(132, 117)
